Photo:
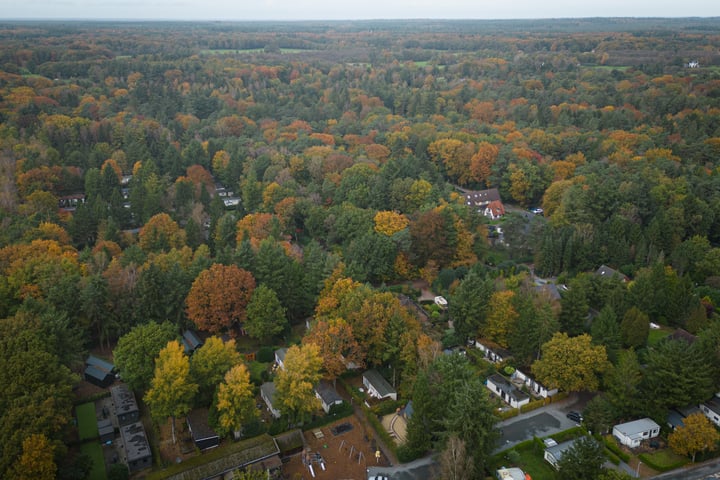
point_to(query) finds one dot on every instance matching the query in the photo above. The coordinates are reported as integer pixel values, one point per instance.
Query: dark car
(575, 417)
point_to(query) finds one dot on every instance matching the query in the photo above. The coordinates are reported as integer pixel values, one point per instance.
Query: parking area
(539, 423)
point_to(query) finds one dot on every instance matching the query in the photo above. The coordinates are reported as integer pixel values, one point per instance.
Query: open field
(94, 451)
(87, 421)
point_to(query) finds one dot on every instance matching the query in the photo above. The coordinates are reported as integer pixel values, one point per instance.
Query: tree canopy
(571, 363)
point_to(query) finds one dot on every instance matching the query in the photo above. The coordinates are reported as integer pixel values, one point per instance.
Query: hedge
(387, 407)
(611, 456)
(612, 445)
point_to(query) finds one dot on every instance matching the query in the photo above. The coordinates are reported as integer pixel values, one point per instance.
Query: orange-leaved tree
(219, 296)
(338, 348)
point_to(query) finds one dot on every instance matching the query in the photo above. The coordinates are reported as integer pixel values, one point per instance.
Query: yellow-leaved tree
(235, 400)
(172, 390)
(571, 363)
(501, 317)
(36, 461)
(389, 223)
(210, 363)
(295, 382)
(697, 435)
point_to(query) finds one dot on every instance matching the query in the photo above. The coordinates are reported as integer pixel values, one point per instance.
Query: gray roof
(135, 441)
(191, 341)
(327, 393)
(100, 364)
(379, 383)
(512, 473)
(549, 289)
(713, 404)
(675, 419)
(557, 450)
(687, 410)
(506, 386)
(96, 372)
(636, 427)
(268, 390)
(124, 400)
(197, 421)
(280, 354)
(607, 272)
(105, 427)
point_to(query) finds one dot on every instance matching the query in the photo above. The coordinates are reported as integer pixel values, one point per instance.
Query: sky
(350, 9)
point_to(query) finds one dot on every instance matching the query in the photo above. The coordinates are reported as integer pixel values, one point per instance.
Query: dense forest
(244, 178)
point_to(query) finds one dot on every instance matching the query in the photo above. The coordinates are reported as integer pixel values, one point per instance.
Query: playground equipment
(308, 458)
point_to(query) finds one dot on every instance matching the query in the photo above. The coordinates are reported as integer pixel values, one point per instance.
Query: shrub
(535, 404)
(407, 454)
(612, 457)
(612, 445)
(569, 434)
(387, 407)
(265, 355)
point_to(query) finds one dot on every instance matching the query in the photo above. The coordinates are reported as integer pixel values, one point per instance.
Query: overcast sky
(350, 9)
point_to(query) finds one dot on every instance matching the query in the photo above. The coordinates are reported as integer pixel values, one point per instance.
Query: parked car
(537, 210)
(575, 417)
(379, 477)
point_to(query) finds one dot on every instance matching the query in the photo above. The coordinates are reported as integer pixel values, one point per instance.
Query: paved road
(421, 469)
(708, 470)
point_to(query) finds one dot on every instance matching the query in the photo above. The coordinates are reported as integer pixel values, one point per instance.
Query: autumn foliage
(218, 298)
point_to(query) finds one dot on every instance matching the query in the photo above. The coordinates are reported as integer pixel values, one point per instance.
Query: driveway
(542, 422)
(421, 469)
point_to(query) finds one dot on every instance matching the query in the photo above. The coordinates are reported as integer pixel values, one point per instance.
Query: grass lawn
(94, 451)
(528, 458)
(87, 422)
(656, 335)
(664, 459)
(532, 462)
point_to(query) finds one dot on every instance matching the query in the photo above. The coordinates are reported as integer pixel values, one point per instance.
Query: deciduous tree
(697, 435)
(336, 344)
(295, 382)
(571, 363)
(36, 461)
(219, 297)
(172, 391)
(389, 223)
(456, 463)
(137, 350)
(160, 234)
(501, 317)
(235, 400)
(210, 363)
